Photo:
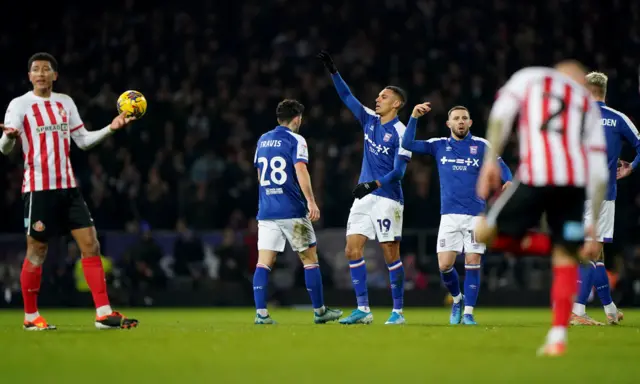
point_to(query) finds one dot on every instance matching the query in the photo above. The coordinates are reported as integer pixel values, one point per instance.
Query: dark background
(213, 73)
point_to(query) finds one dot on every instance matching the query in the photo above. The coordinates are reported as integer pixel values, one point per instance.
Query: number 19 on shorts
(384, 225)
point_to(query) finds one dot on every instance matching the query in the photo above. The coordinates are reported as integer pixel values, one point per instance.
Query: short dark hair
(458, 108)
(288, 109)
(401, 93)
(43, 56)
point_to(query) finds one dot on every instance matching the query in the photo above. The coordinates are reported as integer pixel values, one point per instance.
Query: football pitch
(224, 346)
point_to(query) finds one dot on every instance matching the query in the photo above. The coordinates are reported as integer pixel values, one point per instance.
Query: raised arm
(362, 113)
(409, 141)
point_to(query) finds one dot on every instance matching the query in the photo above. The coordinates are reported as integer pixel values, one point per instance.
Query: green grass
(223, 346)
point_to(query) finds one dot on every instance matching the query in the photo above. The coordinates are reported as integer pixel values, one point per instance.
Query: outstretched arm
(410, 143)
(361, 112)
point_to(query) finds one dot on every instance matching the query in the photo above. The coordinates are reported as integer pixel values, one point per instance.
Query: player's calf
(313, 282)
(30, 279)
(391, 251)
(471, 286)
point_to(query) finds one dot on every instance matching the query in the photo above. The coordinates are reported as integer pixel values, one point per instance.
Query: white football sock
(397, 311)
(456, 299)
(320, 311)
(31, 316)
(364, 309)
(579, 309)
(263, 312)
(610, 309)
(557, 334)
(468, 310)
(105, 310)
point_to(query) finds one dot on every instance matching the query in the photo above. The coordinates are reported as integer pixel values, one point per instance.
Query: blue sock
(359, 280)
(396, 277)
(586, 282)
(450, 280)
(471, 284)
(313, 281)
(601, 281)
(260, 283)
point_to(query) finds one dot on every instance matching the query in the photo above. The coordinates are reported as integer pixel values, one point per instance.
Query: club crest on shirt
(38, 226)
(473, 149)
(387, 137)
(62, 112)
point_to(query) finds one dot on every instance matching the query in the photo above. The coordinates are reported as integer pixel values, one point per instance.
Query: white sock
(31, 316)
(397, 311)
(468, 310)
(557, 335)
(320, 311)
(263, 312)
(610, 309)
(456, 299)
(579, 309)
(364, 309)
(105, 310)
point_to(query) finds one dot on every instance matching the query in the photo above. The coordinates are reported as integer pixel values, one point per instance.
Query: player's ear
(470, 123)
(55, 76)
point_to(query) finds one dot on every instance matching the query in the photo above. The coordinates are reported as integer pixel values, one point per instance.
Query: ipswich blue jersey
(616, 127)
(382, 143)
(459, 163)
(277, 153)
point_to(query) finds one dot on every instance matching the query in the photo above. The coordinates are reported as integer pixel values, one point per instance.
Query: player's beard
(460, 135)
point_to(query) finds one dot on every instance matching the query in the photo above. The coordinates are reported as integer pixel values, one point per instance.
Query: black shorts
(521, 207)
(55, 213)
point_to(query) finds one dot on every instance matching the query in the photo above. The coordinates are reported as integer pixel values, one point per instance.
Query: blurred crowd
(214, 71)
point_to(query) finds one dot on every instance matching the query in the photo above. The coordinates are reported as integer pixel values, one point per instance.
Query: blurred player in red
(45, 122)
(562, 163)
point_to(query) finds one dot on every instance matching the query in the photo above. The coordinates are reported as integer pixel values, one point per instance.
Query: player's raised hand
(314, 211)
(420, 109)
(121, 121)
(489, 178)
(11, 133)
(624, 169)
(326, 59)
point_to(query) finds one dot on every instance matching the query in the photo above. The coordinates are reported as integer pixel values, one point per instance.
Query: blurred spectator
(142, 262)
(233, 258)
(188, 254)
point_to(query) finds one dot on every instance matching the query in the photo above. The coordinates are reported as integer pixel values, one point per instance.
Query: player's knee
(309, 256)
(566, 252)
(391, 251)
(36, 251)
(353, 253)
(90, 246)
(472, 258)
(445, 263)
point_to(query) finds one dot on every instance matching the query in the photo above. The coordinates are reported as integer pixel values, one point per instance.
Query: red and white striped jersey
(46, 126)
(559, 130)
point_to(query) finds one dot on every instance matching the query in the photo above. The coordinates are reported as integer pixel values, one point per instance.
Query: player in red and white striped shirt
(562, 158)
(45, 122)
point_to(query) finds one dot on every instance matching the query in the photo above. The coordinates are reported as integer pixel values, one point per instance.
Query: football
(133, 103)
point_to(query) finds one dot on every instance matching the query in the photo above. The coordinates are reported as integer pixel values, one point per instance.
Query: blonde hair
(597, 82)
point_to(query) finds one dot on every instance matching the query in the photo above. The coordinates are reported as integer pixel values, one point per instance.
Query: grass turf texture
(224, 346)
